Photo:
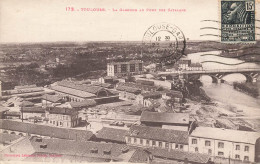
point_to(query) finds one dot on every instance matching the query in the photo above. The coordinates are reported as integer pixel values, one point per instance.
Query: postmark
(166, 40)
(238, 21)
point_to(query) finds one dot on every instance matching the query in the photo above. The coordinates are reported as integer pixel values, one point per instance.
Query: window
(220, 153)
(135, 140)
(115, 68)
(196, 149)
(176, 146)
(246, 148)
(147, 142)
(140, 66)
(207, 143)
(237, 147)
(220, 145)
(209, 151)
(166, 145)
(132, 67)
(153, 143)
(123, 67)
(246, 158)
(160, 144)
(141, 141)
(194, 141)
(237, 156)
(181, 147)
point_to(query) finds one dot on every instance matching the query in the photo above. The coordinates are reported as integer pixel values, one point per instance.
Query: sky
(48, 20)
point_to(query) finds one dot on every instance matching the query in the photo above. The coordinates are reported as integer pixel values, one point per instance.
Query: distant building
(175, 121)
(152, 95)
(223, 144)
(127, 92)
(62, 117)
(31, 92)
(186, 64)
(143, 136)
(74, 92)
(119, 69)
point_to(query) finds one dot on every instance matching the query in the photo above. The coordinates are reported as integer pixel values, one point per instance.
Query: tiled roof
(151, 94)
(180, 155)
(83, 87)
(33, 110)
(174, 93)
(128, 89)
(8, 137)
(145, 82)
(85, 103)
(63, 111)
(43, 130)
(52, 98)
(71, 91)
(105, 85)
(112, 134)
(159, 134)
(78, 148)
(139, 156)
(179, 118)
(226, 134)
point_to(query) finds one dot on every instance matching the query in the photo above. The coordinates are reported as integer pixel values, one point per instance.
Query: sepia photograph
(130, 81)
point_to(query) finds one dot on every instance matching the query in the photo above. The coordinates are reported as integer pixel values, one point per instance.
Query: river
(224, 93)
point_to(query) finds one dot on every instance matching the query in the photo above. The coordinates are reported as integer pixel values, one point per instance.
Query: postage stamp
(165, 39)
(237, 21)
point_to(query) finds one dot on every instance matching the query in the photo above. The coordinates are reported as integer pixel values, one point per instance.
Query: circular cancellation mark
(165, 40)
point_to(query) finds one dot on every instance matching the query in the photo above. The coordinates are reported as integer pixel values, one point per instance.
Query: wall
(228, 150)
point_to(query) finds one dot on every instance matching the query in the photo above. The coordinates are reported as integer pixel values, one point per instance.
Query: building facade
(224, 143)
(119, 69)
(62, 117)
(145, 137)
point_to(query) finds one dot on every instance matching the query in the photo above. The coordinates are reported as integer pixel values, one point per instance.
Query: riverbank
(236, 106)
(248, 88)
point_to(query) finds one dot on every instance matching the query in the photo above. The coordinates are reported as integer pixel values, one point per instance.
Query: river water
(224, 93)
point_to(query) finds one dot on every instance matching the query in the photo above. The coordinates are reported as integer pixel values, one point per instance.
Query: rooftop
(79, 148)
(63, 111)
(62, 133)
(71, 91)
(33, 110)
(179, 118)
(153, 133)
(4, 137)
(151, 94)
(128, 89)
(85, 103)
(112, 134)
(226, 134)
(52, 98)
(180, 155)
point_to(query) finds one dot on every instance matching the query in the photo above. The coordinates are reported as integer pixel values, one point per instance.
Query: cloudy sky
(48, 20)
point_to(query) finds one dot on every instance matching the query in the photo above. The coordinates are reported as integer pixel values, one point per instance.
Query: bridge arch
(214, 78)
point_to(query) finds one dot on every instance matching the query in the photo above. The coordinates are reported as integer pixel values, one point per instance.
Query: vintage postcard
(130, 81)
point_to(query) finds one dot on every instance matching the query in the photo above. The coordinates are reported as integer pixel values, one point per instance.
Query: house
(152, 95)
(126, 92)
(62, 117)
(112, 135)
(171, 94)
(226, 143)
(119, 69)
(145, 137)
(29, 112)
(175, 121)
